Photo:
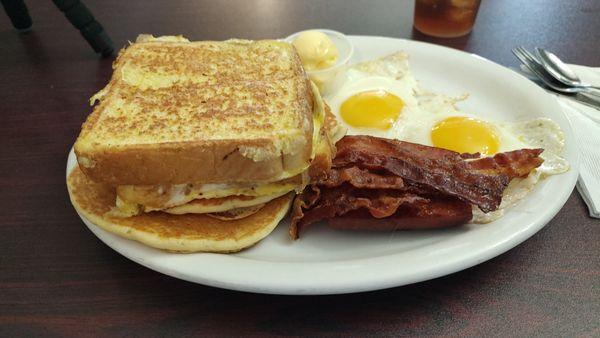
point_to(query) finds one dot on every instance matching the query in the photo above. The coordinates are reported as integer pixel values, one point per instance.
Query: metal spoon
(560, 71)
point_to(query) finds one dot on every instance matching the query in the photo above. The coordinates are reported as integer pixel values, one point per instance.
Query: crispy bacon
(404, 209)
(431, 214)
(517, 163)
(382, 184)
(360, 178)
(436, 168)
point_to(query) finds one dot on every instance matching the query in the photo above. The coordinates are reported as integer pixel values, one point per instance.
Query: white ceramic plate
(326, 261)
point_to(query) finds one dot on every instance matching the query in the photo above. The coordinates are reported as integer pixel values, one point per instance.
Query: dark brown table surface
(57, 278)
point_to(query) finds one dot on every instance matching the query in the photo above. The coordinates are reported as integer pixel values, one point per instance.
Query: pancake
(237, 213)
(210, 205)
(180, 233)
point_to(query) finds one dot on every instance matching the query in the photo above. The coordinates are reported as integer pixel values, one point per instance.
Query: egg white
(424, 109)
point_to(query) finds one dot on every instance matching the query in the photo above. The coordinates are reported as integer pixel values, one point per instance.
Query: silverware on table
(560, 71)
(582, 98)
(579, 94)
(530, 61)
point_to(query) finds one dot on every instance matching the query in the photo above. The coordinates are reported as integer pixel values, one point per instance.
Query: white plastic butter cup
(329, 79)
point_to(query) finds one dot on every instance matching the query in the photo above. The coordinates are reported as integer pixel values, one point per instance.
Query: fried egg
(376, 97)
(381, 98)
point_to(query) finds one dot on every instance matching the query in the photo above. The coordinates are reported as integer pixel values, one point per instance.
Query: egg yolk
(465, 135)
(371, 109)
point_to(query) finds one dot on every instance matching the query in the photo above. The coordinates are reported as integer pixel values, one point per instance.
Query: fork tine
(532, 62)
(521, 50)
(530, 56)
(517, 52)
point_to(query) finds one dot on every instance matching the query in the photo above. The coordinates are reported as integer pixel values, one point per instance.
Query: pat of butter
(316, 50)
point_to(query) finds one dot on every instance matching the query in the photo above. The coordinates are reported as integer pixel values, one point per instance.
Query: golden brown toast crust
(214, 112)
(220, 162)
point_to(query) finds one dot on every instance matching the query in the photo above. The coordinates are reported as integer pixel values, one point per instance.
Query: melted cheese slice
(205, 206)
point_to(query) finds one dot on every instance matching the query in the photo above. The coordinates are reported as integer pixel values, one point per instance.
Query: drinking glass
(445, 18)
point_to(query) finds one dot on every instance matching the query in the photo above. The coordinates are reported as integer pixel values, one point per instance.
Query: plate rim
(381, 282)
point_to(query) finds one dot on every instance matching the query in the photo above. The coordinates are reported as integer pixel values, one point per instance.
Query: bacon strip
(360, 178)
(435, 168)
(517, 163)
(430, 214)
(346, 208)
(379, 202)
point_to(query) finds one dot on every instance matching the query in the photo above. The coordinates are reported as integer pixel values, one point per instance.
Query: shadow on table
(424, 308)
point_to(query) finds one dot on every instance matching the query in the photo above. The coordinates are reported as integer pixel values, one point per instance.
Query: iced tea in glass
(445, 18)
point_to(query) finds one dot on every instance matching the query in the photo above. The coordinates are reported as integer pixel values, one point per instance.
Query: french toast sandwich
(212, 132)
